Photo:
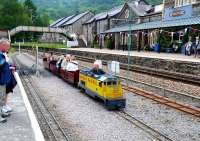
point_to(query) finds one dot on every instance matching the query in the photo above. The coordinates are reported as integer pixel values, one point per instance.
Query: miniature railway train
(99, 85)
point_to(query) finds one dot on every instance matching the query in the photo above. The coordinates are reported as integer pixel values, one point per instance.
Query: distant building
(3, 34)
(72, 23)
(99, 23)
(146, 29)
(116, 16)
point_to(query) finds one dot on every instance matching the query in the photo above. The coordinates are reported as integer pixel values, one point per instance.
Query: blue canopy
(155, 24)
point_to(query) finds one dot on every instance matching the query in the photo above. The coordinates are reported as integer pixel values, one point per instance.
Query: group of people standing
(7, 80)
(192, 47)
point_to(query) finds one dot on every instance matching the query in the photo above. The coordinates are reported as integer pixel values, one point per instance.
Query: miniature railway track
(54, 132)
(189, 79)
(158, 136)
(161, 99)
(186, 78)
(55, 128)
(165, 101)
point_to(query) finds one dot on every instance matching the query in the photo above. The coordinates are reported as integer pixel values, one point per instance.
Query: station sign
(178, 13)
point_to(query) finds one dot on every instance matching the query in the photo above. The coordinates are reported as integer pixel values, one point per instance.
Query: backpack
(2, 59)
(4, 71)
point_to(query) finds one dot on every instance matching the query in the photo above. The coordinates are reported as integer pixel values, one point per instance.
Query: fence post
(19, 48)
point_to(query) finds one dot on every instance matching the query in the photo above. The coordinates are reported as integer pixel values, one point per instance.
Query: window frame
(180, 3)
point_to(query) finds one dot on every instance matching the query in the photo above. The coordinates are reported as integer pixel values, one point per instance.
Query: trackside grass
(42, 45)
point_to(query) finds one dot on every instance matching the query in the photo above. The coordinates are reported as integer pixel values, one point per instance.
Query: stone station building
(147, 28)
(142, 21)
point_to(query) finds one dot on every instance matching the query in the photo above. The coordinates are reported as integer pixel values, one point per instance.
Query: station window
(184, 2)
(109, 83)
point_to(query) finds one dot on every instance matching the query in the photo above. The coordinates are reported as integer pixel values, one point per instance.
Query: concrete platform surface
(168, 56)
(18, 126)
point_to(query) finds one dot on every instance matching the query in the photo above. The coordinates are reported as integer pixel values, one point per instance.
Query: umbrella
(4, 45)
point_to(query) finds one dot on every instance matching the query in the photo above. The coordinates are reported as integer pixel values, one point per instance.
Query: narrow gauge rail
(90, 60)
(154, 133)
(165, 101)
(56, 130)
(162, 100)
(149, 130)
(157, 87)
(189, 79)
(158, 136)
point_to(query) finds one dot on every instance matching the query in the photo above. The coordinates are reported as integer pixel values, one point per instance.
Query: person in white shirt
(72, 65)
(65, 61)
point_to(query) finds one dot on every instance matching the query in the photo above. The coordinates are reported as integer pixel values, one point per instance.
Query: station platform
(146, 54)
(166, 63)
(20, 126)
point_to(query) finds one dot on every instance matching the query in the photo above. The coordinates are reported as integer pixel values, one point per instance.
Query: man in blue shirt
(4, 78)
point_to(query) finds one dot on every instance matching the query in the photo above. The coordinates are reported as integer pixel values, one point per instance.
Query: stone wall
(181, 70)
(189, 68)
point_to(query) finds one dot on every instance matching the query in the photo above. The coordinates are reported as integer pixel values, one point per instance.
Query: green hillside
(60, 8)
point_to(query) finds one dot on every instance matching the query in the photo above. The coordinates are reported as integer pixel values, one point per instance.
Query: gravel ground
(83, 118)
(87, 119)
(177, 125)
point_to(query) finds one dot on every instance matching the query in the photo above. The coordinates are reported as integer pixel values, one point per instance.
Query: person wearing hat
(4, 77)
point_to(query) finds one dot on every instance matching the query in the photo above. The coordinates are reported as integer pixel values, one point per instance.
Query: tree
(42, 20)
(31, 10)
(37, 19)
(12, 14)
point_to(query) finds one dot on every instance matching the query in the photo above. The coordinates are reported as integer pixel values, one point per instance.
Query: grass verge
(43, 45)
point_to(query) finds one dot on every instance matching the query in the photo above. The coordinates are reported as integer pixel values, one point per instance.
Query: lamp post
(129, 44)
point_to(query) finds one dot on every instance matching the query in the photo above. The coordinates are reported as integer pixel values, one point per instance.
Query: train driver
(97, 70)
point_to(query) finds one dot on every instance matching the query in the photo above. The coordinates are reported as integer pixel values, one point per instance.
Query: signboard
(114, 67)
(178, 13)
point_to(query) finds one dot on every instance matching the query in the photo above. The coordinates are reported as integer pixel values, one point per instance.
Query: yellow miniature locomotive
(98, 84)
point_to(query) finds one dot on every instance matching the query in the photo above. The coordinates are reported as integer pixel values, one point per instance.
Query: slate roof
(57, 21)
(75, 18)
(156, 24)
(141, 9)
(67, 20)
(63, 21)
(114, 11)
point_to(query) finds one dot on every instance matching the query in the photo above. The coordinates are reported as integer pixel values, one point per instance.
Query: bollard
(37, 70)
(19, 48)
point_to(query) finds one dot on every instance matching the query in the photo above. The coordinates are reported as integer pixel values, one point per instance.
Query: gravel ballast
(87, 119)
